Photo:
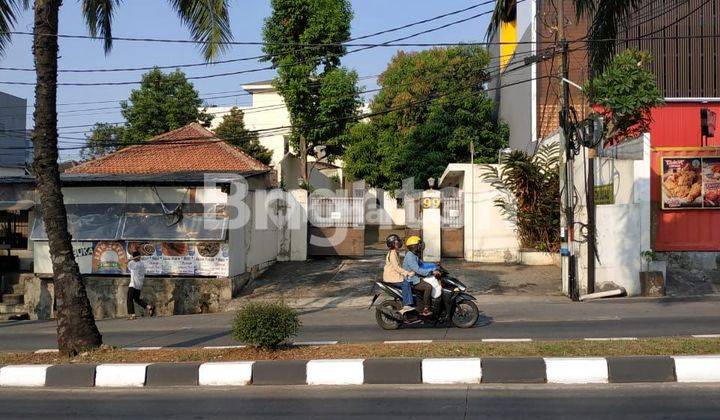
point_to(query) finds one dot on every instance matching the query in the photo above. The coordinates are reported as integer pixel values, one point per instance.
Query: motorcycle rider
(413, 262)
(394, 273)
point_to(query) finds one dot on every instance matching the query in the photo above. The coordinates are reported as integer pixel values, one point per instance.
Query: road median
(560, 362)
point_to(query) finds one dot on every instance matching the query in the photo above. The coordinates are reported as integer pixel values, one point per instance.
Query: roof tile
(192, 148)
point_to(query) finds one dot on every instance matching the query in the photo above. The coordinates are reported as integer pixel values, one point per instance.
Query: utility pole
(568, 186)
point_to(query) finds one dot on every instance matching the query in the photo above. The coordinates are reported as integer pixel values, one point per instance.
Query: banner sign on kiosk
(690, 183)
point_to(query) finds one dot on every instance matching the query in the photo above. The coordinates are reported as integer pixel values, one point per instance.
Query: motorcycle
(454, 304)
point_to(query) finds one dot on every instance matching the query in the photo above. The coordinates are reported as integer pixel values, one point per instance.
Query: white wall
(293, 235)
(623, 228)
(489, 236)
(388, 213)
(261, 232)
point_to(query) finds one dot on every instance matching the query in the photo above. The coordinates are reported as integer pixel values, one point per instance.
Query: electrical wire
(263, 56)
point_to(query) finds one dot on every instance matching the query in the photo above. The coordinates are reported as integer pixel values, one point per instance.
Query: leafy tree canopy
(321, 96)
(164, 102)
(624, 94)
(431, 107)
(232, 129)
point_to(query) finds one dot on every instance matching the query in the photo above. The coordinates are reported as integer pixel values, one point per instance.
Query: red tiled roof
(192, 148)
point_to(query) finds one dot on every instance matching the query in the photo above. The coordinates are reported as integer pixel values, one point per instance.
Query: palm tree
(607, 17)
(208, 22)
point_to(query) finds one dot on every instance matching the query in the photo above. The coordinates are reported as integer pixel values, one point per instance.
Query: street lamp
(431, 182)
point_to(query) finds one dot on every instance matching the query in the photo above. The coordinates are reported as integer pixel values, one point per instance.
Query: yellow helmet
(413, 240)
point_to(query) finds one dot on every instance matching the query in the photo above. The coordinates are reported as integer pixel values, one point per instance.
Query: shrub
(265, 324)
(530, 195)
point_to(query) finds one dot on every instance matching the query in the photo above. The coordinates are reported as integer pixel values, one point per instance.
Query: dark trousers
(426, 290)
(133, 297)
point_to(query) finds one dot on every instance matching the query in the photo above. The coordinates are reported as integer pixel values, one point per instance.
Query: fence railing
(452, 212)
(336, 211)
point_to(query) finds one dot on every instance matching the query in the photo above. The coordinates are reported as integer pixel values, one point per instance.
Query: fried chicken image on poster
(682, 183)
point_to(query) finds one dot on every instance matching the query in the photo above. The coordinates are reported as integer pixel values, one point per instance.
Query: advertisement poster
(682, 183)
(109, 258)
(183, 258)
(711, 182)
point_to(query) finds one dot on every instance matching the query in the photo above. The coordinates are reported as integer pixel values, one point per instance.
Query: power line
(352, 118)
(364, 47)
(257, 109)
(236, 43)
(255, 57)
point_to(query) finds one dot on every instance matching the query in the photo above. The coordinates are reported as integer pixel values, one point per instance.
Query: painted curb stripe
(121, 375)
(223, 347)
(451, 371)
(628, 369)
(697, 368)
(225, 373)
(589, 370)
(23, 375)
(314, 343)
(611, 339)
(335, 372)
(506, 340)
(706, 336)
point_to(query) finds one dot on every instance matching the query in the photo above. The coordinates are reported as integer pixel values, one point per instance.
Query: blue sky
(152, 18)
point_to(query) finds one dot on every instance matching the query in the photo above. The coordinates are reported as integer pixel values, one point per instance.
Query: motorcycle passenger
(414, 263)
(394, 273)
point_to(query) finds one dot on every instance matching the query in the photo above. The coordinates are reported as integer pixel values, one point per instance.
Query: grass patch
(566, 348)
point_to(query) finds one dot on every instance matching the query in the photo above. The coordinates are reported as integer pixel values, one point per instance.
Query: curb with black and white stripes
(531, 370)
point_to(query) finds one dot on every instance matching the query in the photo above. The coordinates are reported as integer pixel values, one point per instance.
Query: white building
(267, 112)
(269, 116)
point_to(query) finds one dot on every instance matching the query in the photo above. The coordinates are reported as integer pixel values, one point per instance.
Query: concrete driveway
(338, 282)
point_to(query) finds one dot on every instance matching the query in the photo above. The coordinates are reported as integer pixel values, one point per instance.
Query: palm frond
(608, 17)
(98, 16)
(505, 11)
(208, 21)
(9, 11)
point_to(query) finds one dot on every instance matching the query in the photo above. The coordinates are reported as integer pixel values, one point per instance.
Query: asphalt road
(369, 402)
(535, 320)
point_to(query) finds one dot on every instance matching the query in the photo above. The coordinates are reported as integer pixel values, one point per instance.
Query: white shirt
(137, 274)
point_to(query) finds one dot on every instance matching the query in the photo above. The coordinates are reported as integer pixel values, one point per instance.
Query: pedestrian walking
(137, 278)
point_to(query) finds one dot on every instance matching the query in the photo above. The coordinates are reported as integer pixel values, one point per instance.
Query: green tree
(208, 23)
(430, 108)
(232, 129)
(163, 102)
(105, 138)
(321, 96)
(625, 94)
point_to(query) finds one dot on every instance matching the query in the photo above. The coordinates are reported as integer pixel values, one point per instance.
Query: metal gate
(452, 235)
(336, 226)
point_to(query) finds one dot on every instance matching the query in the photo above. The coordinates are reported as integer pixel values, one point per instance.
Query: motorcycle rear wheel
(384, 321)
(466, 314)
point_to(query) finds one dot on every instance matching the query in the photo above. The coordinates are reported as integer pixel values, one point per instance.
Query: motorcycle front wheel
(384, 321)
(466, 314)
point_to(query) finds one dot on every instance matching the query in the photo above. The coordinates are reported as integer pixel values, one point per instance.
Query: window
(155, 227)
(86, 223)
(399, 202)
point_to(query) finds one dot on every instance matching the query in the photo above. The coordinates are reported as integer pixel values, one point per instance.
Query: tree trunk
(303, 160)
(75, 321)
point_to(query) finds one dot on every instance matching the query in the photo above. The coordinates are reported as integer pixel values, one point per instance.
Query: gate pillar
(431, 225)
